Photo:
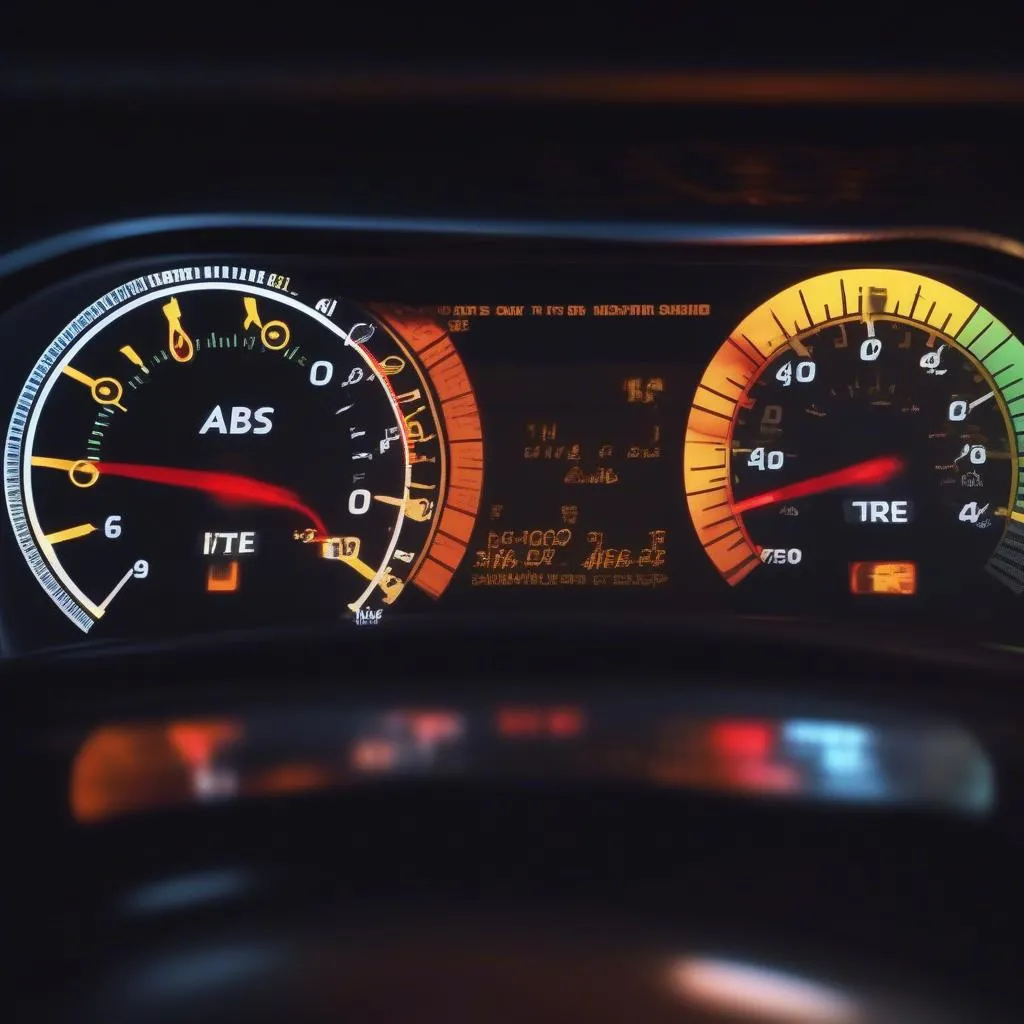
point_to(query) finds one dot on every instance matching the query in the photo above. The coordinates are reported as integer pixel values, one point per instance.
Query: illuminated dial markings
(234, 494)
(417, 509)
(132, 356)
(70, 533)
(274, 334)
(456, 501)
(861, 417)
(104, 390)
(179, 344)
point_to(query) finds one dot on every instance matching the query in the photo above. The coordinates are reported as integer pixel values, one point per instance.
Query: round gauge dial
(857, 432)
(208, 453)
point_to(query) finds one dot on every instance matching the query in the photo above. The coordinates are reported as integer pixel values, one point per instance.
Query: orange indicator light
(374, 755)
(222, 578)
(883, 578)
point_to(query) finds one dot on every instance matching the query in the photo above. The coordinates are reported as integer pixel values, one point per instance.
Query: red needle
(229, 487)
(872, 471)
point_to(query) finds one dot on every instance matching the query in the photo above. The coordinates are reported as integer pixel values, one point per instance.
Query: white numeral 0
(359, 502)
(320, 373)
(870, 350)
(958, 410)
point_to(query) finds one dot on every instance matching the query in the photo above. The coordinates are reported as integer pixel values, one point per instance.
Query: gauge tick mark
(105, 603)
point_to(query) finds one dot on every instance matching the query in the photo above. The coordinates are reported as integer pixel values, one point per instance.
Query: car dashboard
(588, 502)
(252, 423)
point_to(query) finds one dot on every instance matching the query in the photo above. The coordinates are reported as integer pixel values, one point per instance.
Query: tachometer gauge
(203, 448)
(860, 431)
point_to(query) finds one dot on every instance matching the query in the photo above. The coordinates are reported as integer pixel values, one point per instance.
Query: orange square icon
(898, 578)
(222, 578)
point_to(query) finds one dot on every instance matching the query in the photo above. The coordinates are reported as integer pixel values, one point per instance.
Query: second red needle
(863, 474)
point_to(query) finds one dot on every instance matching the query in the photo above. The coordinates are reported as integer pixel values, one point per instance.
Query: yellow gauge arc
(783, 323)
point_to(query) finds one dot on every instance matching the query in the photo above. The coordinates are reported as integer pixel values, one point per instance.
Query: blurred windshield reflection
(130, 767)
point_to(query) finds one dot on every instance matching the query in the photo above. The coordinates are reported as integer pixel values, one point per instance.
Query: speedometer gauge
(861, 431)
(203, 448)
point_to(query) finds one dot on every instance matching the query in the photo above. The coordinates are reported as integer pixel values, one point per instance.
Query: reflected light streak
(187, 891)
(429, 728)
(290, 777)
(374, 755)
(198, 743)
(535, 722)
(183, 974)
(735, 739)
(759, 994)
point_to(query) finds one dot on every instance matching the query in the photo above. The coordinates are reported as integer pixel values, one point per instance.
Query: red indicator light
(525, 722)
(197, 743)
(432, 727)
(518, 722)
(565, 721)
(742, 740)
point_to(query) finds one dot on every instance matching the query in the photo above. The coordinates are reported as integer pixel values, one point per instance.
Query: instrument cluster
(235, 439)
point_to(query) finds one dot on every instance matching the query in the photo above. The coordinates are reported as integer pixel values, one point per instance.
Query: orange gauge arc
(456, 409)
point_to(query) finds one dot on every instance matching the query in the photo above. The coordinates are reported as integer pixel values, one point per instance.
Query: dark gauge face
(862, 450)
(216, 453)
(840, 457)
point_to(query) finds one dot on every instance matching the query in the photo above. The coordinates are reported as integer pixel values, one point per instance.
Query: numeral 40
(763, 459)
(803, 373)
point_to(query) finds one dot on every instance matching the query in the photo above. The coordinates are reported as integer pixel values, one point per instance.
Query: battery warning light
(883, 578)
